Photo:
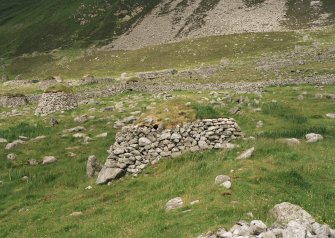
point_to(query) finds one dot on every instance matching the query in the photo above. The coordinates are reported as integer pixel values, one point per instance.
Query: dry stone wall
(56, 101)
(136, 147)
(13, 101)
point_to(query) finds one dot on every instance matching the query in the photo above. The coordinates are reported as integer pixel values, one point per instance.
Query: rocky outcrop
(12, 101)
(56, 101)
(291, 221)
(136, 147)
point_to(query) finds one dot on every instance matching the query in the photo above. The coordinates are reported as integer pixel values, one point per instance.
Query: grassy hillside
(134, 206)
(27, 26)
(37, 25)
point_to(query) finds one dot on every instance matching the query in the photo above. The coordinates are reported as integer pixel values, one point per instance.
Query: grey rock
(174, 204)
(285, 212)
(32, 162)
(313, 137)
(246, 154)
(108, 174)
(11, 156)
(330, 115)
(49, 160)
(257, 227)
(93, 167)
(220, 179)
(14, 144)
(2, 141)
(144, 141)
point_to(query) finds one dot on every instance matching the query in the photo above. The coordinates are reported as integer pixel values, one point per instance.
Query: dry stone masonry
(55, 101)
(13, 101)
(138, 146)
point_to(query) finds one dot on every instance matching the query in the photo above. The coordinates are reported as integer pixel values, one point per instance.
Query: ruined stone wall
(13, 101)
(56, 101)
(136, 147)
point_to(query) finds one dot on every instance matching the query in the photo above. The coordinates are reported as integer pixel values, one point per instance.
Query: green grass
(58, 88)
(134, 206)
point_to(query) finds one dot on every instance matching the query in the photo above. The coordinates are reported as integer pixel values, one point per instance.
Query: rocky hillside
(27, 26)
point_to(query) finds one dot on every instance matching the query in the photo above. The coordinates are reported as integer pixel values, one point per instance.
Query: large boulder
(285, 212)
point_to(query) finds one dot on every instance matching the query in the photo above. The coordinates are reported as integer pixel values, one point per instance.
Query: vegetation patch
(58, 88)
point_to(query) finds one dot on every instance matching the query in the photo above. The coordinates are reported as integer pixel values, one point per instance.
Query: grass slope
(27, 26)
(134, 206)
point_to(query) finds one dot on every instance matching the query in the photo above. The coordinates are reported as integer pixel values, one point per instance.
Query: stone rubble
(291, 221)
(138, 146)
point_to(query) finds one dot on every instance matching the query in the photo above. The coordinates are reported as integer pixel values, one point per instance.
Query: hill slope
(27, 26)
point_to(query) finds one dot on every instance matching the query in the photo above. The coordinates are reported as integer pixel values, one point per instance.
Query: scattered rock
(49, 160)
(25, 178)
(102, 135)
(76, 214)
(93, 167)
(14, 144)
(246, 154)
(220, 179)
(328, 115)
(107, 174)
(194, 202)
(3, 141)
(11, 157)
(285, 212)
(32, 162)
(312, 137)
(259, 124)
(174, 204)
(53, 121)
(83, 118)
(293, 141)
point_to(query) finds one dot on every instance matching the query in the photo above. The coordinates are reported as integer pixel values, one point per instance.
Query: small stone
(227, 184)
(88, 188)
(76, 214)
(312, 137)
(257, 227)
(220, 179)
(174, 204)
(49, 160)
(293, 141)
(300, 97)
(25, 178)
(102, 135)
(79, 135)
(194, 202)
(3, 141)
(328, 115)
(246, 154)
(32, 162)
(144, 141)
(11, 157)
(53, 121)
(259, 124)
(93, 166)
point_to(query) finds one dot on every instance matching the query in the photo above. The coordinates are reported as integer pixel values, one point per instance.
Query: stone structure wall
(13, 101)
(55, 101)
(138, 146)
